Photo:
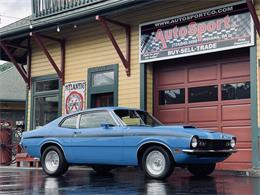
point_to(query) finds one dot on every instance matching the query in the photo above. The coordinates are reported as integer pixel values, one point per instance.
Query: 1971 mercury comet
(107, 138)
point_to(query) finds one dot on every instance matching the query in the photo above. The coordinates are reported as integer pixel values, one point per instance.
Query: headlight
(194, 142)
(233, 142)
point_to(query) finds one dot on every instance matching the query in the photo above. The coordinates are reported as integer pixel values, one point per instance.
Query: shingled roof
(12, 86)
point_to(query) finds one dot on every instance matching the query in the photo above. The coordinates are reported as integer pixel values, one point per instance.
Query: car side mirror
(106, 125)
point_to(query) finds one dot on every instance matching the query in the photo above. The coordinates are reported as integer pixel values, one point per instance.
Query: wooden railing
(42, 8)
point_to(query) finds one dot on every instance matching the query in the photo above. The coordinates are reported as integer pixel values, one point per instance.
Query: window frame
(105, 88)
(51, 93)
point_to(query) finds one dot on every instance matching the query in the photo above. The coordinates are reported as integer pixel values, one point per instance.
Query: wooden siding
(88, 46)
(257, 6)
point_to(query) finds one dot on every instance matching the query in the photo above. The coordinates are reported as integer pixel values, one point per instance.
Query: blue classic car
(107, 138)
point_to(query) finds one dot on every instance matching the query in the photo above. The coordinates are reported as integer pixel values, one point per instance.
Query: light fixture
(75, 26)
(58, 28)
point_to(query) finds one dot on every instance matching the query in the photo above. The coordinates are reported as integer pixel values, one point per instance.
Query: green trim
(143, 87)
(44, 94)
(43, 78)
(103, 89)
(26, 110)
(254, 106)
(60, 98)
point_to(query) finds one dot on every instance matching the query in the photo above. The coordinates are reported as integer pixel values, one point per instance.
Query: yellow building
(192, 62)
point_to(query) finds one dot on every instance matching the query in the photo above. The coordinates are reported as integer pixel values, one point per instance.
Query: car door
(96, 144)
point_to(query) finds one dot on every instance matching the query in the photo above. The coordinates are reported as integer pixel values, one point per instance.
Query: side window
(234, 91)
(203, 94)
(172, 96)
(70, 122)
(95, 119)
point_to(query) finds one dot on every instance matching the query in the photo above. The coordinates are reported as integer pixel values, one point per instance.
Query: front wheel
(201, 170)
(53, 161)
(157, 163)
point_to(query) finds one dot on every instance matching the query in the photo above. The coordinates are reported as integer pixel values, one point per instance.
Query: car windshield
(137, 118)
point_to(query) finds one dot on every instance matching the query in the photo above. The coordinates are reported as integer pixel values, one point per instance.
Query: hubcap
(52, 161)
(155, 162)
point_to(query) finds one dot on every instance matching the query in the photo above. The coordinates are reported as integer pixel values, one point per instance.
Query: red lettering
(227, 22)
(211, 26)
(175, 32)
(192, 28)
(219, 24)
(201, 29)
(183, 31)
(168, 34)
(159, 37)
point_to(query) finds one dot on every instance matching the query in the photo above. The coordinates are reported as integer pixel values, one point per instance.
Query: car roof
(111, 108)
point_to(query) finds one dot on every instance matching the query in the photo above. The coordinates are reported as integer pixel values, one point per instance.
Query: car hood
(191, 131)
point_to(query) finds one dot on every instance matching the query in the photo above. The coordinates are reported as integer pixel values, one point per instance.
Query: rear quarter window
(70, 122)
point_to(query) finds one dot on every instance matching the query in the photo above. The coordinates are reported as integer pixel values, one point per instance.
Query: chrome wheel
(155, 162)
(52, 161)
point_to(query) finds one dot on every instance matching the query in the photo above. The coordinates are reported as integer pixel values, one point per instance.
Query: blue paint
(117, 145)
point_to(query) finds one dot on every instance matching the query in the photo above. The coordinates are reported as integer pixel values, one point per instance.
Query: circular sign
(74, 102)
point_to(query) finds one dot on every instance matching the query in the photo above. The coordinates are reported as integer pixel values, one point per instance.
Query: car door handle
(77, 132)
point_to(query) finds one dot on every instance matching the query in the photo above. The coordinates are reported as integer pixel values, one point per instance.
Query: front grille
(207, 144)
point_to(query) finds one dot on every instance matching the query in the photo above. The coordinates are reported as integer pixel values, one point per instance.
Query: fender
(52, 141)
(156, 141)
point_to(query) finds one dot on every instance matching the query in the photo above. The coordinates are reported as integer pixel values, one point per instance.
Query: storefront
(212, 89)
(187, 64)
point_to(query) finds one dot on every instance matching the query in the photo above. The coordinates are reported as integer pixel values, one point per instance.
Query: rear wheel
(102, 169)
(157, 163)
(53, 161)
(202, 170)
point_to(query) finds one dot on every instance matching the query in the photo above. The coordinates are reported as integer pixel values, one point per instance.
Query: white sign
(216, 29)
(74, 96)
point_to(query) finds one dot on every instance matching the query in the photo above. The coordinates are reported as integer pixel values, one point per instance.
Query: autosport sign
(74, 96)
(216, 29)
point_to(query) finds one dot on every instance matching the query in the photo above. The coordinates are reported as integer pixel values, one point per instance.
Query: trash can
(5, 143)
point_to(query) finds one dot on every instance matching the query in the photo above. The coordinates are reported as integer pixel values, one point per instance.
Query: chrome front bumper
(194, 151)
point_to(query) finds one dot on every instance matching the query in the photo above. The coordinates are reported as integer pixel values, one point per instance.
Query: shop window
(172, 96)
(103, 78)
(102, 86)
(233, 91)
(42, 86)
(203, 94)
(70, 122)
(95, 119)
(45, 101)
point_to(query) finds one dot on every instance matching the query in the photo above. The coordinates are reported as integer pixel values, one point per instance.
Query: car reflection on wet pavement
(123, 181)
